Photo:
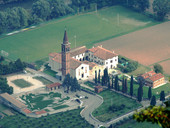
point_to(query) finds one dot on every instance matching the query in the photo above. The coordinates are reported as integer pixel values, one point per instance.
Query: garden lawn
(102, 113)
(89, 28)
(90, 84)
(22, 83)
(69, 119)
(155, 91)
(43, 80)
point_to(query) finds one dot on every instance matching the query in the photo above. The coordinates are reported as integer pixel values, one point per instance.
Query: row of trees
(10, 1)
(4, 87)
(12, 67)
(70, 84)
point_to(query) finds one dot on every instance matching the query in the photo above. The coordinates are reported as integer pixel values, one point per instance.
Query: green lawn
(134, 124)
(90, 84)
(89, 28)
(69, 119)
(43, 80)
(60, 107)
(22, 83)
(102, 113)
(48, 71)
(155, 91)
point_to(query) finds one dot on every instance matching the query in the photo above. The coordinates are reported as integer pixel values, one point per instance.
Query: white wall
(82, 69)
(80, 56)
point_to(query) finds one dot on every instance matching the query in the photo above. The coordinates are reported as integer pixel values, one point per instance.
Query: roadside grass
(134, 124)
(36, 44)
(22, 83)
(60, 107)
(43, 80)
(103, 113)
(69, 119)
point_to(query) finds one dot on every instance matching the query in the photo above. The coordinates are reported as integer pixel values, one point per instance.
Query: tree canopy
(158, 68)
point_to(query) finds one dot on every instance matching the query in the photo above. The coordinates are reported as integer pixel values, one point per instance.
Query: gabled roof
(27, 111)
(12, 100)
(156, 77)
(102, 53)
(74, 63)
(148, 74)
(53, 85)
(98, 87)
(91, 64)
(56, 57)
(78, 51)
(40, 112)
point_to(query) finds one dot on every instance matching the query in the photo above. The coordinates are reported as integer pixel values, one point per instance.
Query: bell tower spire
(65, 48)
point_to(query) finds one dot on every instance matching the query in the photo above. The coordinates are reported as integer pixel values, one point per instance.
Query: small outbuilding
(98, 89)
(53, 86)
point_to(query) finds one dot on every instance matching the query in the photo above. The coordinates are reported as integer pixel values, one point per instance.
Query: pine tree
(95, 77)
(162, 96)
(108, 83)
(149, 93)
(118, 87)
(112, 82)
(106, 76)
(102, 80)
(131, 86)
(116, 83)
(99, 76)
(153, 101)
(140, 93)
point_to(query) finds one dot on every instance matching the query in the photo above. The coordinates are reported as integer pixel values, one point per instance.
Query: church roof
(102, 53)
(78, 51)
(74, 63)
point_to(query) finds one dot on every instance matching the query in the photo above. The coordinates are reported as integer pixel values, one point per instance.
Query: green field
(102, 113)
(22, 83)
(69, 119)
(89, 28)
(43, 80)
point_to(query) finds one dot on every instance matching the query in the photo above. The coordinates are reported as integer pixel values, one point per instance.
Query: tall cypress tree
(106, 76)
(99, 76)
(162, 96)
(116, 83)
(95, 77)
(123, 84)
(108, 83)
(149, 93)
(153, 101)
(102, 80)
(140, 94)
(131, 86)
(118, 87)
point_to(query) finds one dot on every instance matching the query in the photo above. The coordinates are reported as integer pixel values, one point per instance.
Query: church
(81, 62)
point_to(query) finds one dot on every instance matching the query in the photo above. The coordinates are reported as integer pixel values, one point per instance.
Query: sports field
(148, 46)
(89, 28)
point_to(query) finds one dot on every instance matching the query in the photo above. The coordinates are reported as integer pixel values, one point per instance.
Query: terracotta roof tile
(53, 85)
(102, 53)
(98, 87)
(27, 111)
(156, 77)
(91, 64)
(148, 74)
(40, 112)
(74, 63)
(78, 51)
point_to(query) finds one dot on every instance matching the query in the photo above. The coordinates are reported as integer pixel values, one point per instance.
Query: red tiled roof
(74, 63)
(53, 85)
(98, 87)
(156, 77)
(91, 64)
(148, 74)
(78, 51)
(102, 53)
(27, 111)
(40, 112)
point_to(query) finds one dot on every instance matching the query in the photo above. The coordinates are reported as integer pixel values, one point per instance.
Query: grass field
(69, 119)
(134, 124)
(89, 28)
(43, 80)
(102, 113)
(22, 83)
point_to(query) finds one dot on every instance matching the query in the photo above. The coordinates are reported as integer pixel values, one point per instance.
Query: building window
(82, 67)
(111, 61)
(106, 62)
(115, 59)
(89, 54)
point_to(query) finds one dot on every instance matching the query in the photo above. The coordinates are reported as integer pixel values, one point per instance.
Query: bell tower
(65, 51)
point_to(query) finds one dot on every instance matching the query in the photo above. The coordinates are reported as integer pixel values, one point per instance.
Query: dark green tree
(123, 84)
(116, 83)
(158, 68)
(153, 101)
(162, 96)
(126, 86)
(95, 77)
(4, 87)
(131, 86)
(149, 93)
(161, 8)
(102, 80)
(106, 76)
(139, 94)
(112, 83)
(99, 76)
(142, 5)
(66, 82)
(108, 83)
